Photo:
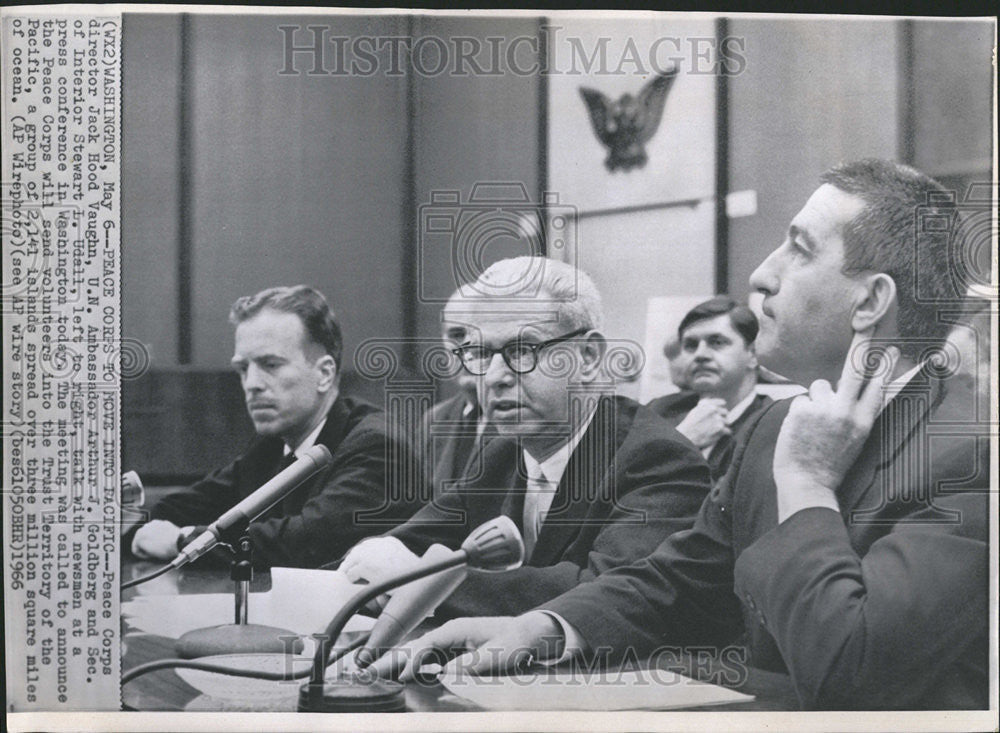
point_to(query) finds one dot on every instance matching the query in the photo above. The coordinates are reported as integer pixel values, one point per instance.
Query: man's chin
(266, 428)
(704, 382)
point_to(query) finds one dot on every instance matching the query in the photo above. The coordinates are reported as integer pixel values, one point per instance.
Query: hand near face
(824, 431)
(706, 422)
(376, 558)
(490, 645)
(156, 540)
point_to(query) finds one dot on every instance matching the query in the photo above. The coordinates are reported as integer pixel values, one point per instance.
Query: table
(164, 690)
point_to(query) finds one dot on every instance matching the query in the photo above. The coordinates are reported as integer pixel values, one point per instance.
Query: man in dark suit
(288, 355)
(848, 543)
(452, 429)
(719, 366)
(592, 481)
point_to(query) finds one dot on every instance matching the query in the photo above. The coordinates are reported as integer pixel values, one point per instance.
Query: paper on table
(302, 601)
(627, 690)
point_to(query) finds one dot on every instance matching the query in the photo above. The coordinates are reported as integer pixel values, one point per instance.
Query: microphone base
(237, 639)
(352, 695)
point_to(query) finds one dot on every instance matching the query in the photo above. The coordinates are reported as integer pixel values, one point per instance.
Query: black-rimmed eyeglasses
(520, 356)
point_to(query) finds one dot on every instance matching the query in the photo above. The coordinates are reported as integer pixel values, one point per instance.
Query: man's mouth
(260, 406)
(500, 407)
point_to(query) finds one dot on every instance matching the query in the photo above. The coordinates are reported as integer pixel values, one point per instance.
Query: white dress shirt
(307, 442)
(732, 416)
(543, 480)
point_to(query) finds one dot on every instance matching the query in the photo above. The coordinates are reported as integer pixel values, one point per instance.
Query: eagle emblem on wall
(626, 125)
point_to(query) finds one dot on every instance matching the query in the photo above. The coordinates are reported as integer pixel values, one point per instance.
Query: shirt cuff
(573, 643)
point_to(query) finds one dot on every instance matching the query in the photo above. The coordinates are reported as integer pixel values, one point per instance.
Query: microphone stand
(363, 692)
(494, 546)
(239, 637)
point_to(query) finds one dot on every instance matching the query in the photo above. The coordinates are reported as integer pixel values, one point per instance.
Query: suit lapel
(331, 435)
(582, 482)
(896, 425)
(513, 501)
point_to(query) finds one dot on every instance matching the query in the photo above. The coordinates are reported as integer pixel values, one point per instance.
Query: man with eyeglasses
(593, 480)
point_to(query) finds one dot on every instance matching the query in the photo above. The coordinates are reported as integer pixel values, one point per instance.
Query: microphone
(410, 605)
(256, 504)
(495, 546)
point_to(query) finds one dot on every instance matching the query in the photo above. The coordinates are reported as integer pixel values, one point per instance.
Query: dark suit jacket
(674, 408)
(631, 481)
(357, 495)
(448, 438)
(884, 605)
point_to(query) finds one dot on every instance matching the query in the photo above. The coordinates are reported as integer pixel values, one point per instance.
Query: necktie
(537, 497)
(286, 461)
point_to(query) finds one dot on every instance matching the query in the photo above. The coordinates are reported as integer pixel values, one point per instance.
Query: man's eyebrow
(237, 360)
(795, 232)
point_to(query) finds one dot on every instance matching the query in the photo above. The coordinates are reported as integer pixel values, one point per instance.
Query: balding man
(593, 481)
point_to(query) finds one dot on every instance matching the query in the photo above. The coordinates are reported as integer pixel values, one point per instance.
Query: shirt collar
(740, 407)
(553, 467)
(896, 385)
(308, 442)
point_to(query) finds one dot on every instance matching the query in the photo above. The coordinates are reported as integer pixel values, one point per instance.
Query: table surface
(164, 690)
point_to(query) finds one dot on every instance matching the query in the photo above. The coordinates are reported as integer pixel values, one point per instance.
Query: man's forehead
(827, 211)
(486, 316)
(270, 331)
(717, 325)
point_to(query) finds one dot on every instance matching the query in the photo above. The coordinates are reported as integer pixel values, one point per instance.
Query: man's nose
(498, 372)
(702, 352)
(252, 381)
(765, 277)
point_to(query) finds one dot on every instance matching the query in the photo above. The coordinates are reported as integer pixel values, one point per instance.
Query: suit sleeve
(358, 498)
(869, 631)
(445, 520)
(202, 502)
(656, 495)
(682, 593)
(197, 505)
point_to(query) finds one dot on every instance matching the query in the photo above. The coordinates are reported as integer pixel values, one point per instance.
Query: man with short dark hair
(848, 545)
(288, 355)
(719, 367)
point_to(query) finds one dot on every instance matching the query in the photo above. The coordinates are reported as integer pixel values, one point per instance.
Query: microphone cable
(159, 664)
(149, 576)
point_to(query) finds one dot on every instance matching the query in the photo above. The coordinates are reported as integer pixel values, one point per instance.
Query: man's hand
(376, 558)
(156, 540)
(706, 422)
(490, 645)
(825, 430)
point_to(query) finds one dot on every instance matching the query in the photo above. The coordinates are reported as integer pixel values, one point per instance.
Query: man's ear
(876, 299)
(752, 348)
(327, 368)
(592, 350)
